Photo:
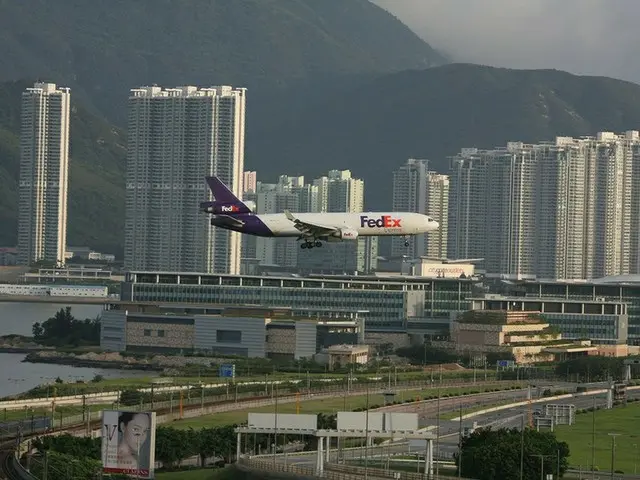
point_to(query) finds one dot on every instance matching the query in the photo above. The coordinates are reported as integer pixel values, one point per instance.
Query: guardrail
(382, 473)
(218, 402)
(113, 395)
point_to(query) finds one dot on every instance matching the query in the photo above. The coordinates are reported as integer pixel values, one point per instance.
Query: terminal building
(603, 322)
(621, 288)
(243, 331)
(395, 304)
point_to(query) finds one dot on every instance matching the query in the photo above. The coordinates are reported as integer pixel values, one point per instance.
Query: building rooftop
(379, 278)
(630, 279)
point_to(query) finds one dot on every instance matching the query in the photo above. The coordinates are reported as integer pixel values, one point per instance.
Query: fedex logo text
(230, 208)
(385, 221)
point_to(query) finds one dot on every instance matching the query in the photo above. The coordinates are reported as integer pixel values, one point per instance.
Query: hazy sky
(593, 37)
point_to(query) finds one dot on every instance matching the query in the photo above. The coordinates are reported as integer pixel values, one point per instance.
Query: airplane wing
(308, 228)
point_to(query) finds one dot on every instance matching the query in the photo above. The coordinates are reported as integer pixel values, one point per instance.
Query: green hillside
(102, 48)
(432, 113)
(96, 181)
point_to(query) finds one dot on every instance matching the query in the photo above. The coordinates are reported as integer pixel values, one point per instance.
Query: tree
(61, 465)
(592, 368)
(83, 447)
(489, 454)
(424, 354)
(63, 329)
(172, 445)
(37, 330)
(133, 397)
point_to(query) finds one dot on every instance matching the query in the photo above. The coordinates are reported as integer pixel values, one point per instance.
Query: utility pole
(366, 437)
(613, 452)
(593, 440)
(522, 450)
(275, 430)
(460, 444)
(438, 432)
(542, 457)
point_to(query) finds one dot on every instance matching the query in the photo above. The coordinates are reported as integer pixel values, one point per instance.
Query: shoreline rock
(77, 361)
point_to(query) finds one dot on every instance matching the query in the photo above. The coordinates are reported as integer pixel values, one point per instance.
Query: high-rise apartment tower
(178, 136)
(44, 167)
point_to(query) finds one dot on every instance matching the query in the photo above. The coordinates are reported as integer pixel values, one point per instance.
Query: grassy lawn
(111, 384)
(622, 420)
(329, 405)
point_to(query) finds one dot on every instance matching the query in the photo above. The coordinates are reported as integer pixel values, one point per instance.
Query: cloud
(589, 37)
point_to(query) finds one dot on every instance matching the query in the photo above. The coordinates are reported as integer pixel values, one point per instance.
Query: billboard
(285, 420)
(359, 421)
(400, 421)
(128, 443)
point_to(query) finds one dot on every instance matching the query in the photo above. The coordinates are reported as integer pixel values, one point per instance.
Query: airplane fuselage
(352, 225)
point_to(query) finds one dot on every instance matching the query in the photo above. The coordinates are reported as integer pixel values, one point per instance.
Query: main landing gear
(311, 244)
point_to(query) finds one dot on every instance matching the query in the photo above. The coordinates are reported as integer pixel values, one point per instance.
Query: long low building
(620, 288)
(243, 331)
(393, 302)
(93, 291)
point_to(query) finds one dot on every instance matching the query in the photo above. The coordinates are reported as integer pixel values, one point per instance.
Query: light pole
(613, 451)
(542, 457)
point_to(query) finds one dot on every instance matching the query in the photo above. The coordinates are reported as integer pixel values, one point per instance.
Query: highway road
(447, 443)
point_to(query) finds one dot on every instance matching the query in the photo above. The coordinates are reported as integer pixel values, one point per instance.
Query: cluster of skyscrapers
(567, 209)
(336, 192)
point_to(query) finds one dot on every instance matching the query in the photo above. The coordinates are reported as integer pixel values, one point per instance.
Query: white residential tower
(44, 167)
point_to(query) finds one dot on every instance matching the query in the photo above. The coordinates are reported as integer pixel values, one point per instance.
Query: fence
(382, 473)
(187, 407)
(334, 472)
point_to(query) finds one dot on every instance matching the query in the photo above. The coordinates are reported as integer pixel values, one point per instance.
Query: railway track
(8, 469)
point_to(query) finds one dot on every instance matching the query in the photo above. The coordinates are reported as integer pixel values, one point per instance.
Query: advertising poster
(128, 443)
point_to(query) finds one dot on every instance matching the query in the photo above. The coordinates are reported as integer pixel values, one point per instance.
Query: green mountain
(96, 175)
(373, 125)
(102, 48)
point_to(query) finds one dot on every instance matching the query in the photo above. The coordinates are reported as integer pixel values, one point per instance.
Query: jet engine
(346, 234)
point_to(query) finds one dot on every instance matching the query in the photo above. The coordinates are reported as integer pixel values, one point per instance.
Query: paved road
(447, 443)
(427, 414)
(510, 418)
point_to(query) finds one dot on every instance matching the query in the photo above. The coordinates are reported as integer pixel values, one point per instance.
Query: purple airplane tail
(225, 202)
(221, 192)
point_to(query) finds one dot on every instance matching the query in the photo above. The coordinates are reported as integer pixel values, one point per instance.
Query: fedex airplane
(231, 213)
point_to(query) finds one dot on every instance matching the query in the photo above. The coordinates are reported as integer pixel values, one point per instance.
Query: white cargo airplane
(231, 213)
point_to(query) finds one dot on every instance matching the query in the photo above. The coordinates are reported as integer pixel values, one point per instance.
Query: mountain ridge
(99, 50)
(433, 113)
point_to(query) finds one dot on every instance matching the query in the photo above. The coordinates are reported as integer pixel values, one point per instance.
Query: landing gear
(406, 241)
(311, 244)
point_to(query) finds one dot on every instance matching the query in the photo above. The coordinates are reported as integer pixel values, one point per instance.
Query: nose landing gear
(406, 241)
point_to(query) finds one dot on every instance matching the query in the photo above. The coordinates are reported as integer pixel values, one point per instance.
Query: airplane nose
(436, 225)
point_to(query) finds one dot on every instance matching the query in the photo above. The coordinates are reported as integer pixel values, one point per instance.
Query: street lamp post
(542, 457)
(613, 451)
